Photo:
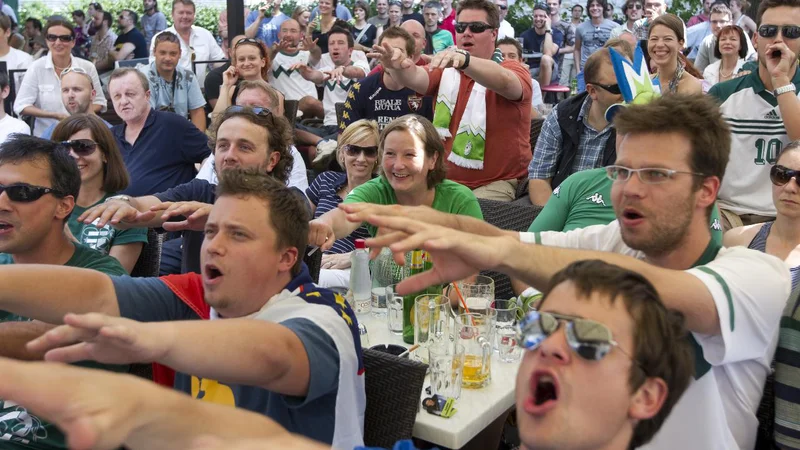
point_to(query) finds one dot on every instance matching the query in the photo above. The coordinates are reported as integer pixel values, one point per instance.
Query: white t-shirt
(16, 59)
(537, 94)
(297, 178)
(334, 93)
(205, 49)
(505, 30)
(718, 410)
(11, 125)
(290, 82)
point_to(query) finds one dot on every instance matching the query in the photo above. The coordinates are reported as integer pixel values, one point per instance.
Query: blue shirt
(183, 93)
(163, 155)
(548, 146)
(371, 99)
(313, 416)
(48, 133)
(269, 28)
(532, 42)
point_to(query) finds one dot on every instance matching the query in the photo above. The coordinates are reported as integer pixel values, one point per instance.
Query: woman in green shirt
(412, 174)
(103, 174)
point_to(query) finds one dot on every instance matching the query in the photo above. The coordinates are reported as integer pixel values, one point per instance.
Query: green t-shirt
(18, 428)
(102, 239)
(584, 199)
(450, 197)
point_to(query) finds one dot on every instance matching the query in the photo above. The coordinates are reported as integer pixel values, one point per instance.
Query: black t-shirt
(136, 38)
(532, 42)
(322, 40)
(214, 82)
(414, 16)
(370, 99)
(368, 38)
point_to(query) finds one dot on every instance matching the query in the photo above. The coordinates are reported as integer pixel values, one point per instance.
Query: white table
(477, 408)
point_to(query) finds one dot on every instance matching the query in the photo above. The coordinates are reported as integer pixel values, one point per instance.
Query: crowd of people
(666, 240)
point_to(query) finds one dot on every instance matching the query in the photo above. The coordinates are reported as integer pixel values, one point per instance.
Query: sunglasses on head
(780, 175)
(590, 340)
(81, 147)
(475, 27)
(610, 88)
(59, 37)
(26, 193)
(259, 111)
(787, 31)
(370, 151)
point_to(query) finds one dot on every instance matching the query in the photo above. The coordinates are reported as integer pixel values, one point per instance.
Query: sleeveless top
(759, 243)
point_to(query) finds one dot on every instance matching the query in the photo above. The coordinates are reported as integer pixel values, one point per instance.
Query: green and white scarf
(469, 145)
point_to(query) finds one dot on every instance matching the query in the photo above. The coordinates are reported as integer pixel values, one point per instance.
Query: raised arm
(124, 214)
(782, 70)
(402, 68)
(329, 227)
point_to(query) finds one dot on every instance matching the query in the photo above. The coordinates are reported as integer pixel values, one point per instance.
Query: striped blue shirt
(323, 192)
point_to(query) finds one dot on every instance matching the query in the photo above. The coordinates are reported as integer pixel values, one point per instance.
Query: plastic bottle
(573, 87)
(360, 280)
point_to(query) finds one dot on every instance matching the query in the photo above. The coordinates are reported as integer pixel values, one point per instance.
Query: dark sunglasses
(475, 27)
(780, 175)
(590, 340)
(81, 147)
(59, 37)
(259, 111)
(26, 193)
(370, 151)
(634, 6)
(610, 88)
(788, 31)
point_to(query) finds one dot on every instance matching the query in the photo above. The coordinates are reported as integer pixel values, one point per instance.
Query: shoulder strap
(363, 31)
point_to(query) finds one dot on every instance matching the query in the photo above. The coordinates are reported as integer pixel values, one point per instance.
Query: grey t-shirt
(313, 416)
(593, 37)
(152, 25)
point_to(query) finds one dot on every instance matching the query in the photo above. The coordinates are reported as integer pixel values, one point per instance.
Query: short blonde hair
(358, 131)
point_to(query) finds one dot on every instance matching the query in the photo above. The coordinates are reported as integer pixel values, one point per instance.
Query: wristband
(466, 58)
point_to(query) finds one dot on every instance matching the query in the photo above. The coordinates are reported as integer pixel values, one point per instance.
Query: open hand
(115, 212)
(390, 58)
(196, 214)
(447, 58)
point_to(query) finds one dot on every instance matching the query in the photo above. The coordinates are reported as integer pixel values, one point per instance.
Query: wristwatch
(548, 31)
(784, 89)
(123, 198)
(466, 58)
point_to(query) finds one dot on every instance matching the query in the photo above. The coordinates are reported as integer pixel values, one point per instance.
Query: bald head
(77, 92)
(417, 31)
(290, 34)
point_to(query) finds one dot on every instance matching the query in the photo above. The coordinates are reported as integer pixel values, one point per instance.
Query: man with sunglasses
(130, 42)
(505, 29)
(763, 111)
(576, 136)
(252, 331)
(633, 10)
(543, 38)
(468, 75)
(670, 160)
(39, 183)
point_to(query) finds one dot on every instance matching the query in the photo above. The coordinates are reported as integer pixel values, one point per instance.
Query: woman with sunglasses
(357, 154)
(413, 174)
(731, 49)
(250, 60)
(40, 93)
(103, 174)
(674, 73)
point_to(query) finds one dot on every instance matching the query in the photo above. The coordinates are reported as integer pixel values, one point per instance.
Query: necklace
(673, 83)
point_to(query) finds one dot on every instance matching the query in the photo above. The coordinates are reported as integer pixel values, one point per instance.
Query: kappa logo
(557, 191)
(17, 425)
(772, 115)
(596, 198)
(715, 225)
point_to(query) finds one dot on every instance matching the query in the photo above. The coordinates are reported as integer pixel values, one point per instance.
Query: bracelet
(466, 58)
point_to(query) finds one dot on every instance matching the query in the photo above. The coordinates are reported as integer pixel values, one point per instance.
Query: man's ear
(289, 258)
(5, 92)
(65, 207)
(647, 401)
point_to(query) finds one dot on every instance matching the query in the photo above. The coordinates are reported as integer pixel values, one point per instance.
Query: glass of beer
(474, 332)
(431, 322)
(478, 293)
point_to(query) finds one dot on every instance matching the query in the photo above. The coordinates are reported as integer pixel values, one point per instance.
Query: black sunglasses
(60, 37)
(370, 151)
(81, 147)
(610, 88)
(780, 175)
(788, 31)
(259, 111)
(475, 27)
(26, 193)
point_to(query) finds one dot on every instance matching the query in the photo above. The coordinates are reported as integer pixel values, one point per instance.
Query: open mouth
(5, 226)
(467, 45)
(212, 273)
(632, 214)
(399, 175)
(544, 390)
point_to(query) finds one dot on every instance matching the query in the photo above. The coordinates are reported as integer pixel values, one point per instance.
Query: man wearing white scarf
(482, 107)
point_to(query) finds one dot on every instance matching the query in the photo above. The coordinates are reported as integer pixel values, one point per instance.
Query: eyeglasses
(475, 27)
(634, 6)
(74, 69)
(787, 31)
(590, 340)
(370, 151)
(647, 175)
(81, 147)
(26, 193)
(780, 175)
(610, 88)
(59, 37)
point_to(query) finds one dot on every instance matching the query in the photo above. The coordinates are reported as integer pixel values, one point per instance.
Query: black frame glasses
(59, 37)
(81, 147)
(369, 151)
(787, 31)
(475, 27)
(780, 175)
(610, 88)
(27, 193)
